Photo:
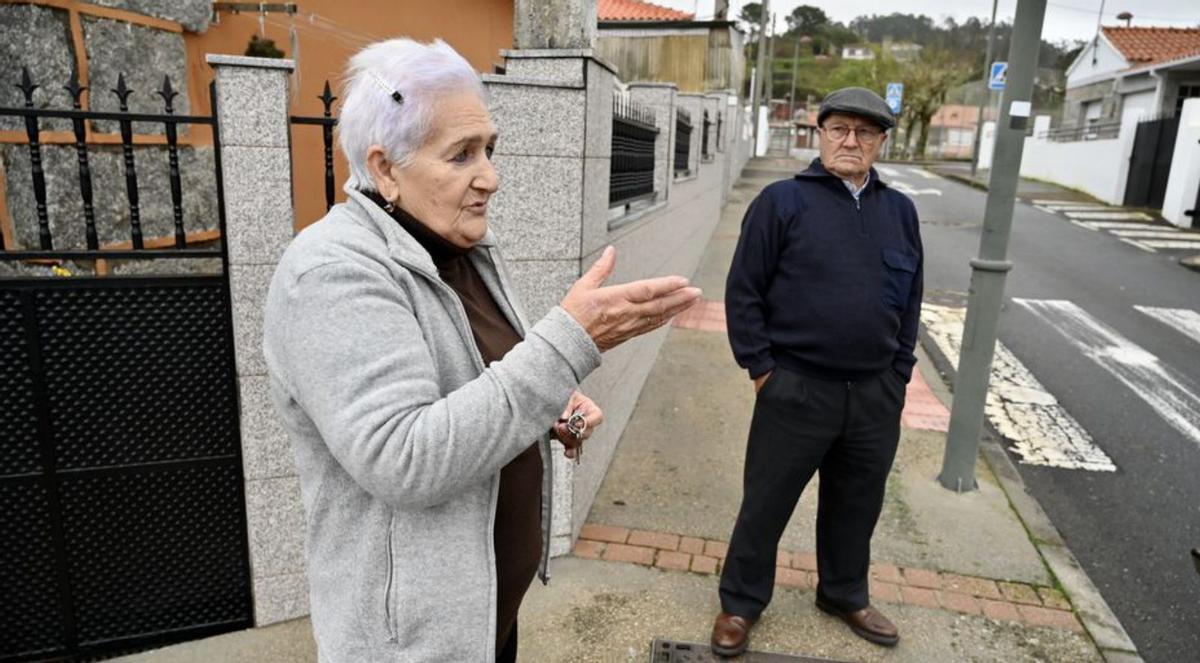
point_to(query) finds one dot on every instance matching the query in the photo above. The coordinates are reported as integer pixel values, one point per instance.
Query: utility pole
(983, 99)
(755, 98)
(795, 64)
(989, 271)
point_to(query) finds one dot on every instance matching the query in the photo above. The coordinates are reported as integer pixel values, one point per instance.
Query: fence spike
(168, 94)
(327, 99)
(122, 91)
(27, 86)
(74, 88)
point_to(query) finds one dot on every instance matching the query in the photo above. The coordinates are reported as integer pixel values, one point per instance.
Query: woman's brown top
(518, 524)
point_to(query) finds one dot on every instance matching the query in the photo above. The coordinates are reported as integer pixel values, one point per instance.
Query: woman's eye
(461, 157)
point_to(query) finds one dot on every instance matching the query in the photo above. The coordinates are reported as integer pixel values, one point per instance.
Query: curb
(1093, 611)
(960, 179)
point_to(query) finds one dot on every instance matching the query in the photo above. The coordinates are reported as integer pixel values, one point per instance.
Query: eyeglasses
(838, 133)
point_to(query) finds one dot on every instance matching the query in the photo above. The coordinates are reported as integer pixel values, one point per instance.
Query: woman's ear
(381, 173)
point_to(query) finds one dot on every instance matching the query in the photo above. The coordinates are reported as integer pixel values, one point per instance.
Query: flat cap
(857, 101)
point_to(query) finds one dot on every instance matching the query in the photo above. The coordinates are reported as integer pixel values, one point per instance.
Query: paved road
(1113, 333)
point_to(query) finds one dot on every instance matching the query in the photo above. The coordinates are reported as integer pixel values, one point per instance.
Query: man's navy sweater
(824, 285)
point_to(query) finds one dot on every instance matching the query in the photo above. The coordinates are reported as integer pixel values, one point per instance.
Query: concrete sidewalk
(959, 574)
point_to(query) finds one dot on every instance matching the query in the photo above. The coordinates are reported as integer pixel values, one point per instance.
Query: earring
(390, 207)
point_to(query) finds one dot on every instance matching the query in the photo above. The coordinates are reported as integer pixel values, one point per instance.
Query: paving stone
(691, 545)
(887, 592)
(885, 572)
(588, 549)
(604, 533)
(926, 598)
(619, 552)
(1053, 598)
(1000, 610)
(981, 587)
(804, 560)
(961, 603)
(675, 561)
(783, 558)
(922, 578)
(1019, 593)
(791, 577)
(660, 540)
(716, 549)
(1038, 616)
(704, 564)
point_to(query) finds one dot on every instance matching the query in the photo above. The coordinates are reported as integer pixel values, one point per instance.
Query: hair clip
(383, 85)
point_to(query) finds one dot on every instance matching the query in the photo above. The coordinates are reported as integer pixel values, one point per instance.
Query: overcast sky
(1065, 19)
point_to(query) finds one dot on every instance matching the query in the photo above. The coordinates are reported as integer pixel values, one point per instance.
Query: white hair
(422, 74)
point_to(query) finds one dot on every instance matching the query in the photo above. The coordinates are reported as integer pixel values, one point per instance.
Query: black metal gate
(1150, 162)
(122, 516)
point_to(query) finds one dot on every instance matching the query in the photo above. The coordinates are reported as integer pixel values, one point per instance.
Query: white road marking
(1134, 242)
(1058, 201)
(1083, 224)
(1172, 395)
(1171, 244)
(1185, 321)
(1163, 233)
(926, 174)
(1018, 406)
(1108, 215)
(907, 189)
(887, 172)
(1082, 208)
(1109, 225)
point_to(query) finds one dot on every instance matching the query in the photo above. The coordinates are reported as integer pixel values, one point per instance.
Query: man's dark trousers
(846, 430)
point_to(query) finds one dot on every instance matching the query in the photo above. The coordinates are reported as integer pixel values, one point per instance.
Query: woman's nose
(487, 180)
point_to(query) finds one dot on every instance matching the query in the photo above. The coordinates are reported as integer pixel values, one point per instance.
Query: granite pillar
(252, 111)
(660, 98)
(554, 24)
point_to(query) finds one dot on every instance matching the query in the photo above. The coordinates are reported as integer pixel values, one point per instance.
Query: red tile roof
(636, 10)
(1141, 46)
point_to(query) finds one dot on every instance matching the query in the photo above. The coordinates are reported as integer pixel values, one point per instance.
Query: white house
(1146, 68)
(857, 53)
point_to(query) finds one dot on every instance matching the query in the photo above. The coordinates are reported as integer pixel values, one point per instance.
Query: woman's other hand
(593, 416)
(614, 314)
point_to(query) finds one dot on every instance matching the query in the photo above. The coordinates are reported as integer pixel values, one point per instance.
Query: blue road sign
(998, 76)
(895, 95)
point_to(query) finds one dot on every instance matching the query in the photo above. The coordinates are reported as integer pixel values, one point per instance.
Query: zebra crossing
(1132, 227)
(1034, 424)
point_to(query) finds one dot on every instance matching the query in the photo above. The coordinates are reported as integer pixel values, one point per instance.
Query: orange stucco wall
(328, 33)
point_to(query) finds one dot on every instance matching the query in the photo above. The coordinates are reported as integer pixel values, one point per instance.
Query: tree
(806, 20)
(926, 83)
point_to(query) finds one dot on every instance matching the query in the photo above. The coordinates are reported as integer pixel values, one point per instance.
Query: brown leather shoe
(731, 634)
(868, 623)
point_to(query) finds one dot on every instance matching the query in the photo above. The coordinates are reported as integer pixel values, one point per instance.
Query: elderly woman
(419, 400)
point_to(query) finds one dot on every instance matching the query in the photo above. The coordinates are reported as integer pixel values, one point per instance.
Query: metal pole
(795, 63)
(755, 97)
(983, 99)
(990, 269)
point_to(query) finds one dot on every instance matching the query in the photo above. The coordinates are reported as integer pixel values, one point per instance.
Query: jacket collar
(816, 171)
(401, 244)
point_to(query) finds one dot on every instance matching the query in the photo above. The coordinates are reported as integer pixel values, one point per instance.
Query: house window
(1185, 92)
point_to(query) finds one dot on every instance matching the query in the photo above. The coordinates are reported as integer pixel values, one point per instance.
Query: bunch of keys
(576, 425)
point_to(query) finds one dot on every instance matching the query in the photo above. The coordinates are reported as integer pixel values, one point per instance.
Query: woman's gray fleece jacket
(400, 433)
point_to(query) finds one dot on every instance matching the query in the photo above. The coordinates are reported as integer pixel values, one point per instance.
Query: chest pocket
(899, 269)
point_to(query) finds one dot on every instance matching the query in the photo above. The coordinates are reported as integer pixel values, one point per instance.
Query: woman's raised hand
(614, 314)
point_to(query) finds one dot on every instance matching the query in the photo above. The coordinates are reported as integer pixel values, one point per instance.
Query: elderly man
(822, 299)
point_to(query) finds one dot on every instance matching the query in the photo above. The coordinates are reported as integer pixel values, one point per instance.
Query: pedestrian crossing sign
(998, 76)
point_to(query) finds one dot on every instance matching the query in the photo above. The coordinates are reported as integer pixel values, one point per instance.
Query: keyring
(577, 425)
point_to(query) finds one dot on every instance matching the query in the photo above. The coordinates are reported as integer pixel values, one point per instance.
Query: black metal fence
(327, 122)
(1082, 132)
(683, 141)
(704, 153)
(179, 248)
(719, 123)
(634, 133)
(122, 508)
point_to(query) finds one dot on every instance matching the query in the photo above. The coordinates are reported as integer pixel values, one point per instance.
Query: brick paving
(970, 595)
(922, 410)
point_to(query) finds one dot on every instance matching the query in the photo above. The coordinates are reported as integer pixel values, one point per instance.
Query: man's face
(849, 145)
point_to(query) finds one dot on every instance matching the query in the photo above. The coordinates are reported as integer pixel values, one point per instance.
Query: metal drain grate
(669, 651)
